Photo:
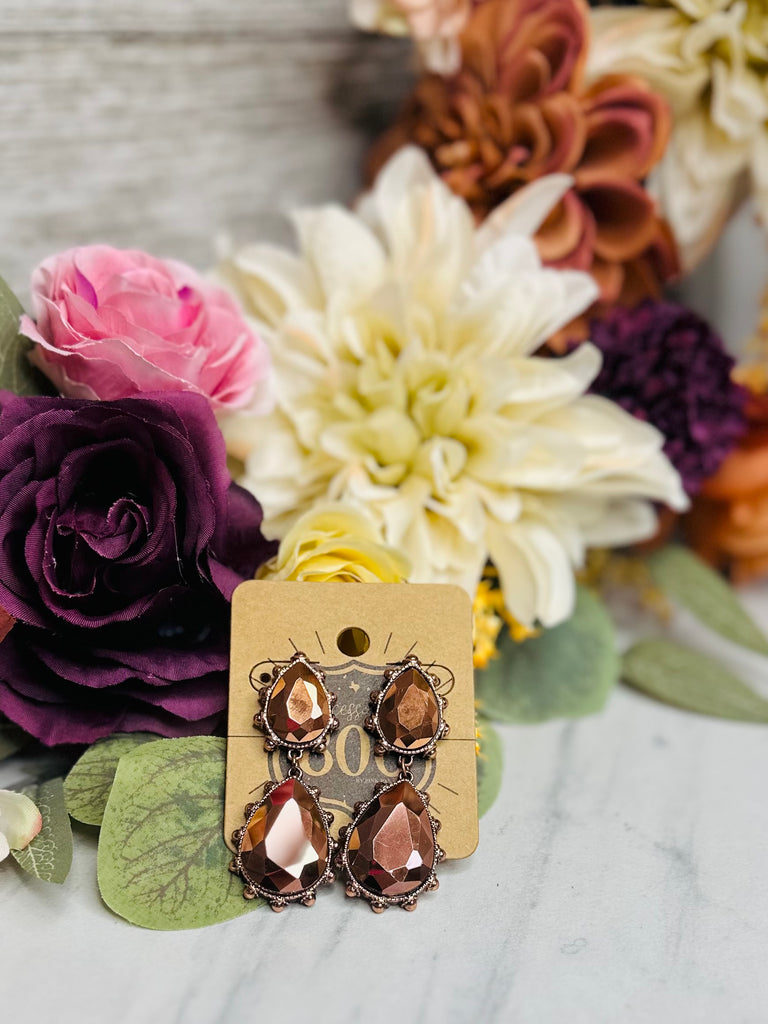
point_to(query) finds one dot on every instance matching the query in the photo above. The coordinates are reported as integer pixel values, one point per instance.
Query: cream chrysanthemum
(709, 58)
(406, 383)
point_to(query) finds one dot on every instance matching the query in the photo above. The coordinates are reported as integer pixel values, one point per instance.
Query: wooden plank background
(163, 124)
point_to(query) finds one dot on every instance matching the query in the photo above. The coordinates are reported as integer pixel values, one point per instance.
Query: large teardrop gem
(285, 845)
(391, 848)
(409, 713)
(298, 708)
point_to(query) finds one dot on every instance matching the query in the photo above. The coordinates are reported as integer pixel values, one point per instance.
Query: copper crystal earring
(284, 849)
(389, 853)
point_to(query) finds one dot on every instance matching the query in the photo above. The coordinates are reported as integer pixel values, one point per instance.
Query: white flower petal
(347, 258)
(20, 820)
(609, 524)
(535, 572)
(410, 389)
(269, 281)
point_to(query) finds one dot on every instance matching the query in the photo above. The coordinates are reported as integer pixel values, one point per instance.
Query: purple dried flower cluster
(667, 366)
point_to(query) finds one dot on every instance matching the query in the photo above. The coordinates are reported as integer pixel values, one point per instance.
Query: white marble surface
(621, 876)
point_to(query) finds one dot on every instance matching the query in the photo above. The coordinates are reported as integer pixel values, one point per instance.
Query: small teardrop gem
(298, 709)
(409, 715)
(284, 848)
(392, 847)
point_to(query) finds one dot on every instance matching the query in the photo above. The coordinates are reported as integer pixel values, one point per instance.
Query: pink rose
(114, 323)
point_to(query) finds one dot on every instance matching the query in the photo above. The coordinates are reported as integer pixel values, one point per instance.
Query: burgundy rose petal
(121, 541)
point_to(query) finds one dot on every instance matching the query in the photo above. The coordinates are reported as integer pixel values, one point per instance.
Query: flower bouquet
(477, 376)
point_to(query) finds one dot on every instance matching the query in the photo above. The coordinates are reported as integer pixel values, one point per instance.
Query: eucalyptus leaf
(566, 671)
(692, 584)
(162, 861)
(16, 372)
(690, 680)
(89, 782)
(489, 765)
(49, 855)
(12, 738)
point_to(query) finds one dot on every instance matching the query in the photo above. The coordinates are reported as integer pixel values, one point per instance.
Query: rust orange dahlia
(518, 109)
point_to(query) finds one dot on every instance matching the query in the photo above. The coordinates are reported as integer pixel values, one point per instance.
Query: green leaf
(88, 784)
(163, 862)
(692, 584)
(16, 372)
(12, 738)
(489, 765)
(690, 680)
(566, 671)
(49, 855)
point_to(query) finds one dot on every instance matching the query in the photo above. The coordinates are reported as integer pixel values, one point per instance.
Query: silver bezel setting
(272, 739)
(253, 889)
(355, 889)
(373, 723)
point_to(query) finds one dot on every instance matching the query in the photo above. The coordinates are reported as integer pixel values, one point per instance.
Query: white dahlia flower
(404, 341)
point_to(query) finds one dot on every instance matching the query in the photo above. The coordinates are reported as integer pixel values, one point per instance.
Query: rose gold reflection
(285, 846)
(298, 708)
(392, 848)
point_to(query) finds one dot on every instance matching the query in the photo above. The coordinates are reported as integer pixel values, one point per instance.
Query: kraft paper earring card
(354, 633)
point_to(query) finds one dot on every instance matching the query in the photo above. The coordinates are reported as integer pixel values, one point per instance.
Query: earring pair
(389, 852)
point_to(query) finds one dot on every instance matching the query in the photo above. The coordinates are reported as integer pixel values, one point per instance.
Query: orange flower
(728, 525)
(517, 109)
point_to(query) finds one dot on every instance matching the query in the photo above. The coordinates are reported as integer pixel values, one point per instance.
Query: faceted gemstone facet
(392, 848)
(284, 848)
(298, 708)
(409, 715)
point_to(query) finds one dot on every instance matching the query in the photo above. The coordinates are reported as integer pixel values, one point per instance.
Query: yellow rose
(339, 543)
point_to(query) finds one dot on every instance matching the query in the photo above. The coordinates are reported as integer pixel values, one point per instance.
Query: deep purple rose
(122, 538)
(667, 366)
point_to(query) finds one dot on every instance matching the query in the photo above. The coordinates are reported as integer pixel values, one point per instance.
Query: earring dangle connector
(390, 851)
(285, 850)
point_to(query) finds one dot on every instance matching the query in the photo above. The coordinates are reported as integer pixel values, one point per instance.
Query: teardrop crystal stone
(409, 715)
(298, 709)
(392, 847)
(284, 848)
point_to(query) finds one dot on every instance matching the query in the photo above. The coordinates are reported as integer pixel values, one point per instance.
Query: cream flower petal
(624, 454)
(534, 386)
(650, 43)
(20, 821)
(345, 256)
(271, 281)
(698, 184)
(535, 572)
(739, 101)
(428, 230)
(622, 521)
(520, 315)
